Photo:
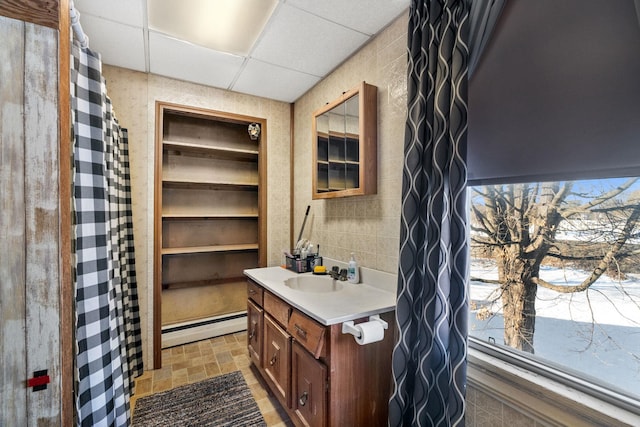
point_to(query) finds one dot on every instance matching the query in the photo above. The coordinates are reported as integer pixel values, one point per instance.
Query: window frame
(538, 397)
(586, 398)
(559, 374)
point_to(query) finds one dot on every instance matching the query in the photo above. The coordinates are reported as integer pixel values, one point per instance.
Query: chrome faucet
(338, 274)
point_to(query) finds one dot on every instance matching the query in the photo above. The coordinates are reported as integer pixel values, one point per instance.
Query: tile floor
(196, 361)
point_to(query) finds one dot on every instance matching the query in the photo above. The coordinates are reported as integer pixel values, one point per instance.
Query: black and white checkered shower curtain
(108, 340)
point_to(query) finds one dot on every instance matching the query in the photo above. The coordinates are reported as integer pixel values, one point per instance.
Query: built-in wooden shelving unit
(210, 213)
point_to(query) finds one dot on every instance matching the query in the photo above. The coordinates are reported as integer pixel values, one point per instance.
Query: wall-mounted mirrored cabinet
(344, 145)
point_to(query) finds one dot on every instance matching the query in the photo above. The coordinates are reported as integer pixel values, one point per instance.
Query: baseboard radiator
(201, 329)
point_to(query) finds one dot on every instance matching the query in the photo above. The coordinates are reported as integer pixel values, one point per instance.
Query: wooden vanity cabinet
(277, 358)
(308, 387)
(255, 330)
(321, 376)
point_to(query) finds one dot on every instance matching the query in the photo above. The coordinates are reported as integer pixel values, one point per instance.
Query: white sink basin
(314, 284)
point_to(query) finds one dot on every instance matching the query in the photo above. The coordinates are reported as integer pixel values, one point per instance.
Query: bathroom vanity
(319, 374)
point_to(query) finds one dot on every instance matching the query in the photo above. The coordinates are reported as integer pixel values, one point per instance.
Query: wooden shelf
(212, 248)
(338, 162)
(210, 282)
(189, 148)
(184, 217)
(184, 184)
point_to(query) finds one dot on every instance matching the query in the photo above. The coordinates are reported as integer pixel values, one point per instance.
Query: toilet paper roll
(371, 331)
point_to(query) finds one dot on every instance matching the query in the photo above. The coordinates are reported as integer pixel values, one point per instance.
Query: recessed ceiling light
(230, 26)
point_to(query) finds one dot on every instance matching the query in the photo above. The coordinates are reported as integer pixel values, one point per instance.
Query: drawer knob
(274, 359)
(303, 399)
(301, 332)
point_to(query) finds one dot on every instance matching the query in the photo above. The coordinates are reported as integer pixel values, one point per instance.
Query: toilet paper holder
(349, 327)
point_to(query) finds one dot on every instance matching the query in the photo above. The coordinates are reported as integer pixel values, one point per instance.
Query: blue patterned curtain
(107, 330)
(429, 358)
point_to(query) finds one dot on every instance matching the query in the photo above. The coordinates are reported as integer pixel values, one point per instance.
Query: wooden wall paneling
(42, 220)
(42, 12)
(12, 225)
(36, 215)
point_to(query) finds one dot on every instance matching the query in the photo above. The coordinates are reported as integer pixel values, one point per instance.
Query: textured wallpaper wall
(134, 95)
(366, 225)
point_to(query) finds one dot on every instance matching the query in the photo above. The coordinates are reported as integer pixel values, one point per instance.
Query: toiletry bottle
(353, 273)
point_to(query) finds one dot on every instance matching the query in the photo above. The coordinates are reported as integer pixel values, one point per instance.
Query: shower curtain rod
(79, 34)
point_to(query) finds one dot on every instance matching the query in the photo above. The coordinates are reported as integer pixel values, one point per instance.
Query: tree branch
(481, 280)
(604, 262)
(599, 200)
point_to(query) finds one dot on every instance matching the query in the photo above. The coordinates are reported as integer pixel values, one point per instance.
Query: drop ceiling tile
(181, 60)
(270, 81)
(230, 26)
(292, 40)
(302, 42)
(118, 44)
(130, 12)
(367, 16)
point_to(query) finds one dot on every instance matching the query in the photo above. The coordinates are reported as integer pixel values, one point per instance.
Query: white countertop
(351, 302)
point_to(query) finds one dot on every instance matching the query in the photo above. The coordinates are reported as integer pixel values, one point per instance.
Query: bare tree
(518, 225)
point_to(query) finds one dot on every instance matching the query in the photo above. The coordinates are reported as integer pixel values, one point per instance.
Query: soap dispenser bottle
(353, 273)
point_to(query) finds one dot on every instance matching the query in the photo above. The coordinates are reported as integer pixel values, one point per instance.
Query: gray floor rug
(220, 401)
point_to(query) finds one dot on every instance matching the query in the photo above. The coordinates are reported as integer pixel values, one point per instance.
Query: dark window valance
(556, 94)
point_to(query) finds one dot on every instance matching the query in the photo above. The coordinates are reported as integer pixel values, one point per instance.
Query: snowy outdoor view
(559, 265)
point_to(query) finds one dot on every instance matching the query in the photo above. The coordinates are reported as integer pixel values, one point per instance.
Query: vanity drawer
(308, 332)
(277, 308)
(254, 292)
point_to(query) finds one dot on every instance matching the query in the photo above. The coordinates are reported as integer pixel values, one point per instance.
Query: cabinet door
(254, 332)
(344, 147)
(277, 356)
(309, 390)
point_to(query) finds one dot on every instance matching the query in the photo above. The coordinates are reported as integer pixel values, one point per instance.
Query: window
(555, 277)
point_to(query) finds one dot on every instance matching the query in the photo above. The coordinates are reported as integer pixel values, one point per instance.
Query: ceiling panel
(118, 44)
(365, 16)
(178, 59)
(274, 82)
(304, 42)
(223, 25)
(130, 12)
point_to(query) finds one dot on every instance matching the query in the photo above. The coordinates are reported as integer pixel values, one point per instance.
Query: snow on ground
(596, 332)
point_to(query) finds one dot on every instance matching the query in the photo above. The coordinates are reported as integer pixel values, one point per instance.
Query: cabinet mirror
(344, 145)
